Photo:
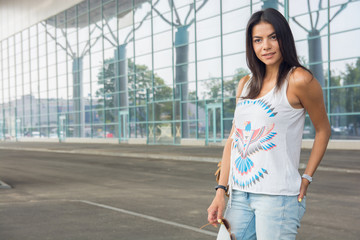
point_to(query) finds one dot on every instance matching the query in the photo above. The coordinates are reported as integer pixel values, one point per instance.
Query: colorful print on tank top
(248, 141)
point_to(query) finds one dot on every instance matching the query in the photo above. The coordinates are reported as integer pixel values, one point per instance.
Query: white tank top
(265, 151)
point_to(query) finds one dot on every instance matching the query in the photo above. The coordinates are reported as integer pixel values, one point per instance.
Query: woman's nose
(266, 45)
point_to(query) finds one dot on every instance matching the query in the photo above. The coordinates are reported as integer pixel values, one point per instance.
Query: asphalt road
(68, 196)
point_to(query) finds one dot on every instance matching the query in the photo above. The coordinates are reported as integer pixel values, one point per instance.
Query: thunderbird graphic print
(248, 141)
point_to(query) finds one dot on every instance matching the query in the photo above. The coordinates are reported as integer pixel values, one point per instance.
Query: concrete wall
(17, 15)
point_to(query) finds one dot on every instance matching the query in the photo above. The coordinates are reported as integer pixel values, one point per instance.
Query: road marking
(155, 219)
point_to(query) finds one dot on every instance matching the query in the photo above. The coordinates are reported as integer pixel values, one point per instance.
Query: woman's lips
(268, 55)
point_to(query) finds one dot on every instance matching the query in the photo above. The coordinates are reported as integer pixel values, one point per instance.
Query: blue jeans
(264, 217)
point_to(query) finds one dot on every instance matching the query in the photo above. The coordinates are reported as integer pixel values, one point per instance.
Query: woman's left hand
(303, 189)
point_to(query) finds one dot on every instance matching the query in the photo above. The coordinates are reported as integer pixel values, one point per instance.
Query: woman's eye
(257, 40)
(273, 37)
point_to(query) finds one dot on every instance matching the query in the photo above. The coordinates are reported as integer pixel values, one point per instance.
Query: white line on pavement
(148, 217)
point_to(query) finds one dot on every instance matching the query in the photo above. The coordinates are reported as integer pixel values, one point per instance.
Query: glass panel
(178, 129)
(88, 133)
(316, 22)
(210, 114)
(345, 127)
(142, 20)
(210, 8)
(163, 111)
(235, 20)
(110, 116)
(151, 133)
(340, 47)
(162, 41)
(310, 32)
(230, 88)
(218, 123)
(201, 119)
(110, 130)
(162, 6)
(98, 131)
(192, 95)
(230, 5)
(124, 126)
(159, 25)
(208, 28)
(209, 69)
(145, 60)
(347, 13)
(142, 46)
(234, 42)
(235, 65)
(227, 128)
(163, 76)
(209, 48)
(210, 89)
(162, 93)
(164, 133)
(349, 75)
(162, 59)
(181, 4)
(345, 100)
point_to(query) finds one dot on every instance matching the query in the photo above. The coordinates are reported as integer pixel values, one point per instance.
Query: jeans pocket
(302, 208)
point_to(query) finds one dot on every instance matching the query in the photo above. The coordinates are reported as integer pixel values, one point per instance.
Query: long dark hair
(286, 45)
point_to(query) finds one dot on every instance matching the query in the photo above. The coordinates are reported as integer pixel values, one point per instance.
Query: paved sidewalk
(101, 191)
(334, 160)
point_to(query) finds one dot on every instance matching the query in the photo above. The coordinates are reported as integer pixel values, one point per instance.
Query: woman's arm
(216, 209)
(310, 95)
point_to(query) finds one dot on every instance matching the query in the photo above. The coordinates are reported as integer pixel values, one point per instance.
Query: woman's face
(265, 44)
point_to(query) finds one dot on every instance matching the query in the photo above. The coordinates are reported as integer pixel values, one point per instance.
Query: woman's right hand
(216, 208)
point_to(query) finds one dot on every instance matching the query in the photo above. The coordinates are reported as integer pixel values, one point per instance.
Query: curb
(115, 154)
(162, 157)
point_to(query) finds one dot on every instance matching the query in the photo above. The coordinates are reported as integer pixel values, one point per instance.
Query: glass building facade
(163, 71)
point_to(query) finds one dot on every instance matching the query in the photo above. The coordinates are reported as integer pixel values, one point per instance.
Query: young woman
(261, 157)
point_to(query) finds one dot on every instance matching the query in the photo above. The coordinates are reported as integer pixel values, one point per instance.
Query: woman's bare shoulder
(241, 85)
(301, 78)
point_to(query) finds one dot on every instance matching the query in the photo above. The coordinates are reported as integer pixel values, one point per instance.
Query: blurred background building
(159, 72)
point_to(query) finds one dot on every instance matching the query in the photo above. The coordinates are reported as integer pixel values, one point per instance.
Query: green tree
(352, 95)
(213, 93)
(213, 90)
(139, 84)
(107, 88)
(346, 98)
(337, 100)
(213, 86)
(230, 88)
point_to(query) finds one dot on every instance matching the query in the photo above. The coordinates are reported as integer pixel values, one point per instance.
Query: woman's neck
(271, 73)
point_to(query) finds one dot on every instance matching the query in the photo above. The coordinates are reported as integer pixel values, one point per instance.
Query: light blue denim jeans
(264, 217)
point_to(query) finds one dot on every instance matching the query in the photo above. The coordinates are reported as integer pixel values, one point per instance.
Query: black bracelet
(222, 187)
